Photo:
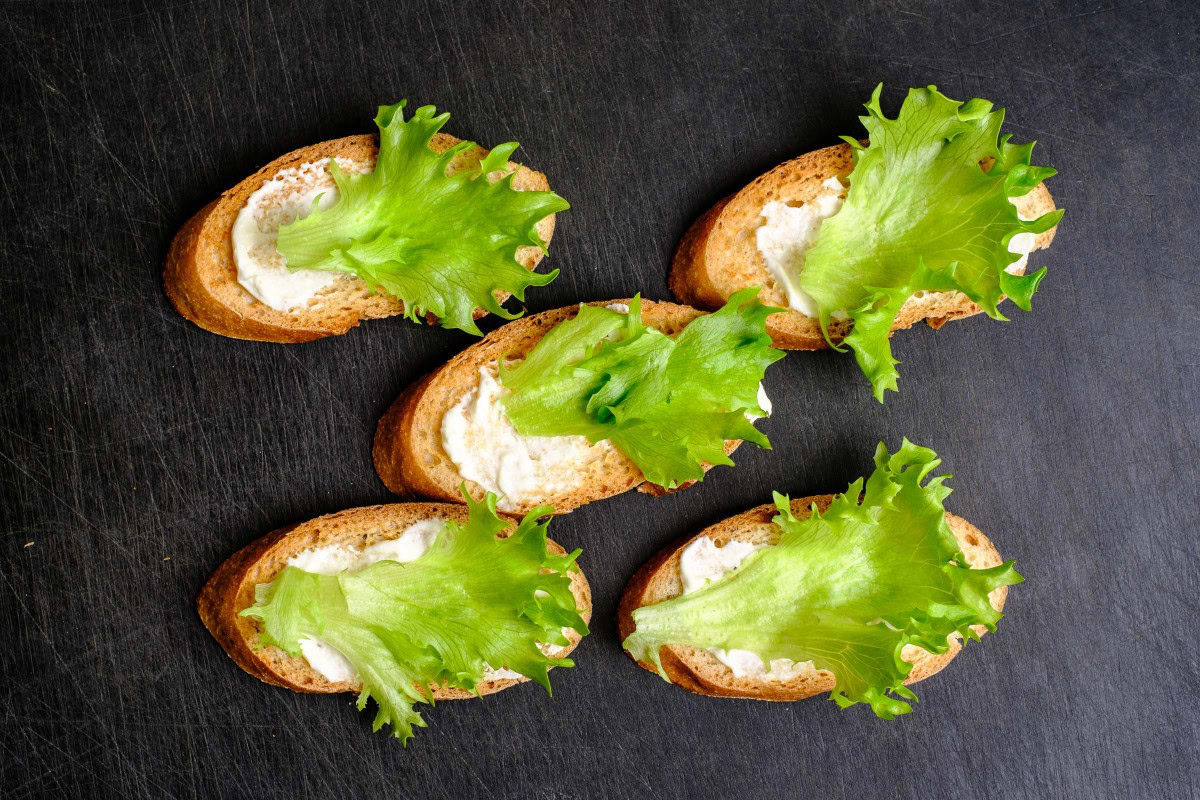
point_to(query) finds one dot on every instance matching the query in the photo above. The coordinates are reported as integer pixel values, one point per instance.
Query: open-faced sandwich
(932, 218)
(581, 403)
(858, 595)
(403, 604)
(414, 222)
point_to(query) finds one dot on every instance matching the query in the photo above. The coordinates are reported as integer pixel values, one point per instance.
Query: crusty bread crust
(699, 671)
(408, 449)
(230, 590)
(718, 255)
(200, 276)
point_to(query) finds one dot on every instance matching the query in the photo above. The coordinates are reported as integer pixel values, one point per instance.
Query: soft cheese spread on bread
(486, 449)
(789, 231)
(331, 559)
(703, 561)
(286, 197)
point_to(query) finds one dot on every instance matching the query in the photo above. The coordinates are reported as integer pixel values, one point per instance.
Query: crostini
(412, 221)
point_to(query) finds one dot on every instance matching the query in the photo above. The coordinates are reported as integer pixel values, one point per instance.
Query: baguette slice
(699, 671)
(719, 255)
(408, 451)
(200, 276)
(231, 590)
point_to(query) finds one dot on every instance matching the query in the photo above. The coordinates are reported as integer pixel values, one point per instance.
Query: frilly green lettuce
(472, 599)
(846, 589)
(667, 403)
(441, 244)
(922, 215)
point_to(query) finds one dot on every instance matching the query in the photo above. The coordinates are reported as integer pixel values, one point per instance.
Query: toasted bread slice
(699, 671)
(200, 276)
(719, 255)
(230, 590)
(408, 452)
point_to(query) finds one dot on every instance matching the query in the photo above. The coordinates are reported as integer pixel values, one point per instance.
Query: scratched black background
(139, 451)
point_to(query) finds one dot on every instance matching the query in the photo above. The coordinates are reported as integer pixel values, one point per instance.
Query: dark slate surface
(131, 437)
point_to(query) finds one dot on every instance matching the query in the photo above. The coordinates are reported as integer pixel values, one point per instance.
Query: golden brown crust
(200, 277)
(718, 255)
(231, 589)
(408, 451)
(699, 671)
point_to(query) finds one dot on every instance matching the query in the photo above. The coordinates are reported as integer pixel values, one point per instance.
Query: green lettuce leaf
(472, 599)
(922, 215)
(667, 403)
(440, 243)
(847, 589)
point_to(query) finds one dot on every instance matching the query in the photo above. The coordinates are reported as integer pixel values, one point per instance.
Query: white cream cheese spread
(331, 559)
(789, 232)
(485, 447)
(702, 561)
(764, 403)
(261, 268)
